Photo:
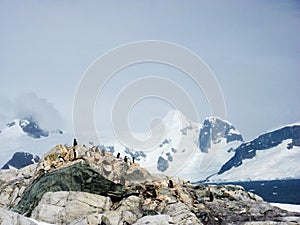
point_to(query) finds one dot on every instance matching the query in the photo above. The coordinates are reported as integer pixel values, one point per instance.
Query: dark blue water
(281, 191)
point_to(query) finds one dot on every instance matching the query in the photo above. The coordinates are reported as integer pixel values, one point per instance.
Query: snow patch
(288, 207)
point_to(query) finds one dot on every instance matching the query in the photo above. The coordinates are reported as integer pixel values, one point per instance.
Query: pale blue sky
(253, 47)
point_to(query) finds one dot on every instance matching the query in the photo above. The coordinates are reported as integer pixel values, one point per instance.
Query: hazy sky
(253, 48)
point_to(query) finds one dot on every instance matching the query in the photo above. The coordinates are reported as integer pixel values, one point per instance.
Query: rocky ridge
(264, 142)
(20, 160)
(95, 187)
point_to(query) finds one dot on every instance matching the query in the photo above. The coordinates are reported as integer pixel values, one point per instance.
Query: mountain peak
(30, 127)
(174, 118)
(214, 130)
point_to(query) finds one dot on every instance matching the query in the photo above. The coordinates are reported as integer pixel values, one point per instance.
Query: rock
(137, 174)
(13, 183)
(64, 207)
(128, 211)
(97, 188)
(118, 218)
(154, 220)
(77, 177)
(132, 203)
(162, 164)
(181, 214)
(20, 160)
(92, 219)
(8, 218)
(107, 165)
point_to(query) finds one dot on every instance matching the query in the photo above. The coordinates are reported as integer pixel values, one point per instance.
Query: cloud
(30, 105)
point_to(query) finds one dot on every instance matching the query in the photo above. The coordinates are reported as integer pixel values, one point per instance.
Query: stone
(97, 188)
(8, 218)
(92, 219)
(132, 203)
(128, 211)
(181, 214)
(77, 177)
(64, 207)
(137, 174)
(119, 218)
(154, 220)
(12, 185)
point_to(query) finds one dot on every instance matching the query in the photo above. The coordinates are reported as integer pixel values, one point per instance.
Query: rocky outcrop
(8, 218)
(79, 191)
(110, 167)
(65, 207)
(162, 164)
(214, 130)
(76, 177)
(13, 184)
(20, 160)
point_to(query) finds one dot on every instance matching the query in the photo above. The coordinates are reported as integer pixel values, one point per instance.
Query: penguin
(211, 196)
(118, 155)
(133, 160)
(170, 184)
(125, 159)
(74, 146)
(74, 142)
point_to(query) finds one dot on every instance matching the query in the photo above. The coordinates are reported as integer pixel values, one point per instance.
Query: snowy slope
(275, 163)
(178, 153)
(14, 139)
(288, 207)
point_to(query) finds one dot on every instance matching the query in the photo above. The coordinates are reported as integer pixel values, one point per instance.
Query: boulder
(65, 207)
(181, 214)
(77, 177)
(8, 218)
(154, 220)
(137, 174)
(119, 218)
(129, 210)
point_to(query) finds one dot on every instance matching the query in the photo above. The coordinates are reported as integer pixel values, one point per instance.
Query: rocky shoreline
(98, 188)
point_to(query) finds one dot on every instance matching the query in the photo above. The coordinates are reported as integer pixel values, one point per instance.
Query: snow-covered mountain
(20, 160)
(178, 153)
(214, 151)
(273, 155)
(25, 135)
(214, 130)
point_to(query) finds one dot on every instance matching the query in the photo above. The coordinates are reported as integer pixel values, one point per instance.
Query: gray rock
(154, 220)
(132, 203)
(181, 214)
(92, 219)
(128, 211)
(12, 185)
(119, 218)
(65, 207)
(8, 218)
(136, 174)
(162, 164)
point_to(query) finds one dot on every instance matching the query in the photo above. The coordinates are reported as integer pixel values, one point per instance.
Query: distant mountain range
(214, 151)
